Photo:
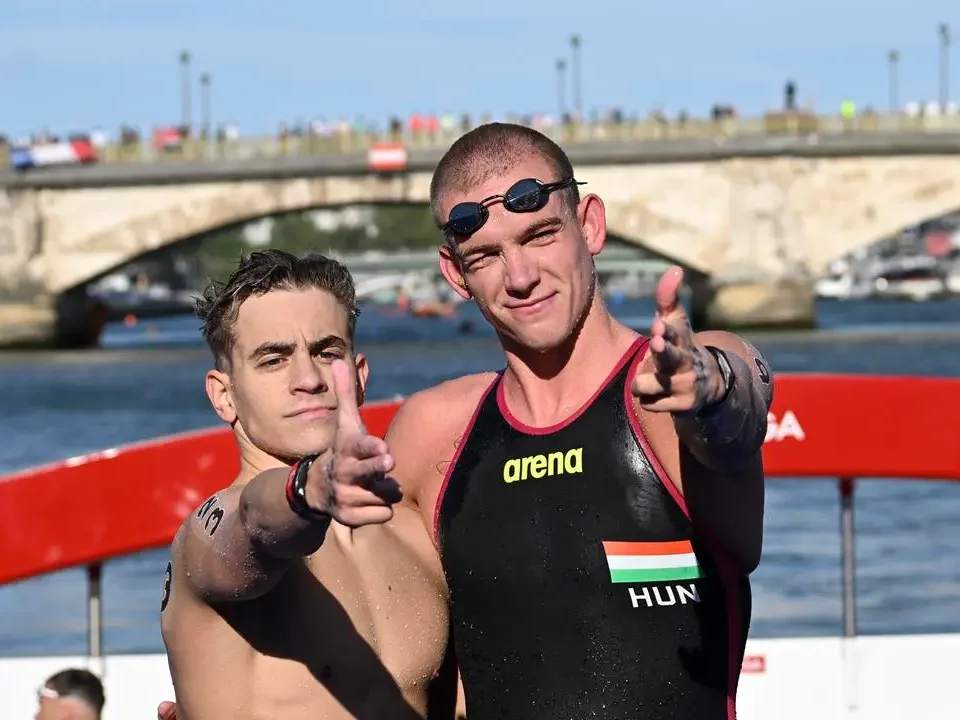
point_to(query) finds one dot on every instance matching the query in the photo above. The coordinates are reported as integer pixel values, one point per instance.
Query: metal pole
(894, 58)
(944, 32)
(575, 71)
(561, 87)
(185, 89)
(205, 105)
(95, 616)
(848, 557)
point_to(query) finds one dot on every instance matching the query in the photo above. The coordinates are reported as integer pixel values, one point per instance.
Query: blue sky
(74, 64)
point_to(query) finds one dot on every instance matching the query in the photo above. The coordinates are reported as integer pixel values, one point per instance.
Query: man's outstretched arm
(716, 386)
(718, 390)
(239, 542)
(728, 433)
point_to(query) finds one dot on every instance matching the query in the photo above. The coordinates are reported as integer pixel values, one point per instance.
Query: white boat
(952, 281)
(842, 281)
(822, 427)
(919, 278)
(836, 286)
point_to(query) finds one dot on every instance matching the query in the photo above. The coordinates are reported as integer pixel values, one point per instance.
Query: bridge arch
(111, 264)
(160, 218)
(617, 256)
(777, 214)
(154, 218)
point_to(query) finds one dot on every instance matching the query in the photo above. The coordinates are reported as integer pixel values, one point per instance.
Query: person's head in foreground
(70, 695)
(274, 327)
(519, 239)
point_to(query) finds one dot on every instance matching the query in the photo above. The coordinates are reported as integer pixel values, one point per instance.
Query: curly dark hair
(262, 272)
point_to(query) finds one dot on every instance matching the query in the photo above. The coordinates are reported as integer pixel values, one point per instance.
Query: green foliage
(390, 228)
(404, 227)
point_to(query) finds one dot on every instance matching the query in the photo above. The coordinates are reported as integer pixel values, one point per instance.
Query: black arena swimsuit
(579, 586)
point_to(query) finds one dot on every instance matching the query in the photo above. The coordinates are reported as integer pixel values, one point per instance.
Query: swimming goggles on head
(524, 196)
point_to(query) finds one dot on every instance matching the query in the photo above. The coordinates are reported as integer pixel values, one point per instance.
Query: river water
(147, 381)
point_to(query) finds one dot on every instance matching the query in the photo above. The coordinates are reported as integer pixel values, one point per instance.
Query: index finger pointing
(345, 388)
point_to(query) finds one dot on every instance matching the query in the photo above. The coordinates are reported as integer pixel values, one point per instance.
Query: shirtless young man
(598, 504)
(289, 596)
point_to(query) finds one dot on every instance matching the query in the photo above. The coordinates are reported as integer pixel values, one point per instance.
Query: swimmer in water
(306, 593)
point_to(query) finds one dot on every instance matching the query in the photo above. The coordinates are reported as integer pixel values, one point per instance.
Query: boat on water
(823, 428)
(843, 281)
(952, 280)
(918, 278)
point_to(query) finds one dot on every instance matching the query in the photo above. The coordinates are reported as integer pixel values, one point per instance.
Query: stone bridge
(755, 218)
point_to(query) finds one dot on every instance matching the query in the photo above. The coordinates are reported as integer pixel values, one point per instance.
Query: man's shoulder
(453, 397)
(463, 389)
(204, 520)
(429, 422)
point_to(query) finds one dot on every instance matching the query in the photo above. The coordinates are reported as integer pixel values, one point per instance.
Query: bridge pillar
(30, 316)
(79, 319)
(70, 321)
(26, 325)
(741, 304)
(25, 318)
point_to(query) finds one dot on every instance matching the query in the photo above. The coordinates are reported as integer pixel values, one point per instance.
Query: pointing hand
(350, 481)
(685, 376)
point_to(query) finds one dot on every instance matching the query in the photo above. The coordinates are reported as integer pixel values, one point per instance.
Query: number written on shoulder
(211, 513)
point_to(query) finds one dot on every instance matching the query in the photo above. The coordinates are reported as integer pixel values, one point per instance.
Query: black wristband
(296, 492)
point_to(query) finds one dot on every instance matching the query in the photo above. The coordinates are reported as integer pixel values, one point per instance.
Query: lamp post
(205, 105)
(575, 72)
(944, 33)
(561, 87)
(893, 59)
(185, 89)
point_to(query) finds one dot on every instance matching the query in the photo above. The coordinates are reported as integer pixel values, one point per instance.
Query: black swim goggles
(524, 196)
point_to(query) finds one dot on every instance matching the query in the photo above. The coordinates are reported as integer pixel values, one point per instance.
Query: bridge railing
(648, 129)
(355, 142)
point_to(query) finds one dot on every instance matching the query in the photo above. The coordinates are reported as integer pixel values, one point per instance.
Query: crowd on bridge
(46, 148)
(168, 136)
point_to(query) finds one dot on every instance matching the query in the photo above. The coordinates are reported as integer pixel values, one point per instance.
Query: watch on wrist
(296, 491)
(726, 372)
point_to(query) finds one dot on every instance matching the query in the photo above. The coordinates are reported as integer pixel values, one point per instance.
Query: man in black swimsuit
(597, 504)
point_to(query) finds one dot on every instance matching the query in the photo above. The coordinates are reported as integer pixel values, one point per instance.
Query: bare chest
(387, 598)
